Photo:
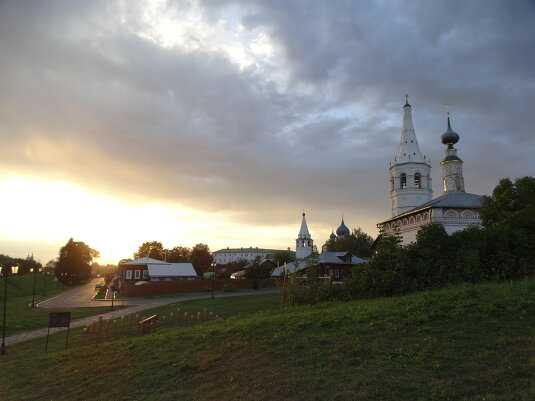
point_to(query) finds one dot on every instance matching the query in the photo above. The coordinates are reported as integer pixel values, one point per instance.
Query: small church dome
(450, 137)
(342, 230)
(332, 236)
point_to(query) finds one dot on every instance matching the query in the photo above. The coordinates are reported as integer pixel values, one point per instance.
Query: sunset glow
(219, 122)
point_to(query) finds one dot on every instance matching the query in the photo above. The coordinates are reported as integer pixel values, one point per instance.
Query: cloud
(261, 108)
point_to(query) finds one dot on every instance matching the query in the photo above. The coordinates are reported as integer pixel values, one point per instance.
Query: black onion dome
(342, 230)
(450, 137)
(332, 236)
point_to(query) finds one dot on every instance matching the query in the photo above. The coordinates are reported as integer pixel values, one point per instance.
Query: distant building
(148, 269)
(337, 265)
(411, 193)
(224, 256)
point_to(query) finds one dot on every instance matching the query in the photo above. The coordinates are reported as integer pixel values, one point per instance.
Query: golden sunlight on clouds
(189, 29)
(45, 211)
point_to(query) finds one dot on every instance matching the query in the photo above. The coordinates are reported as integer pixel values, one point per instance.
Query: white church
(411, 189)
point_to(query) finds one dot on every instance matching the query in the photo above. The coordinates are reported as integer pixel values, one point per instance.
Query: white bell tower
(410, 174)
(304, 242)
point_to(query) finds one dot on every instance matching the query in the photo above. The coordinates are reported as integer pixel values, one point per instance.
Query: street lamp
(213, 278)
(45, 273)
(35, 269)
(5, 271)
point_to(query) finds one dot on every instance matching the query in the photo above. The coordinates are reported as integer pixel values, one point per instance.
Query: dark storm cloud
(86, 100)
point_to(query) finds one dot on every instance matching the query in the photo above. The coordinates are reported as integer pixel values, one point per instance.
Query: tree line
(501, 250)
(199, 256)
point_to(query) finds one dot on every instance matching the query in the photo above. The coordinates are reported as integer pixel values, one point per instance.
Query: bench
(148, 324)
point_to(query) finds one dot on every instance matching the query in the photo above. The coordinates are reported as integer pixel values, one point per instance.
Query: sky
(220, 121)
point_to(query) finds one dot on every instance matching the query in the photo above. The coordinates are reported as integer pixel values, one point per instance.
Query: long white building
(224, 256)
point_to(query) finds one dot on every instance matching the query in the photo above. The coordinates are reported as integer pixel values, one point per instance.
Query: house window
(403, 180)
(137, 274)
(145, 274)
(129, 274)
(337, 273)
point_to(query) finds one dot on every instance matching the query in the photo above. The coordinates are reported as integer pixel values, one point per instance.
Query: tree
(312, 265)
(201, 259)
(152, 249)
(179, 254)
(74, 262)
(258, 270)
(224, 271)
(508, 200)
(282, 257)
(357, 243)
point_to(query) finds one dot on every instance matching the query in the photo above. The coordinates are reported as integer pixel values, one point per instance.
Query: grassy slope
(462, 343)
(20, 317)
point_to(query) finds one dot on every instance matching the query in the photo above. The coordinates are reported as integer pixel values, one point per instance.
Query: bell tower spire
(410, 174)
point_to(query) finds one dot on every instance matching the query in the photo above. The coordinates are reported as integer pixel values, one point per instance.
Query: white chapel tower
(410, 175)
(304, 242)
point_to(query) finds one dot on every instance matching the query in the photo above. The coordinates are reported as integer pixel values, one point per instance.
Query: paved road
(78, 297)
(81, 297)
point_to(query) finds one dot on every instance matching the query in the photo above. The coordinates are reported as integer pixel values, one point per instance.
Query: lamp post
(35, 269)
(44, 283)
(6, 270)
(213, 278)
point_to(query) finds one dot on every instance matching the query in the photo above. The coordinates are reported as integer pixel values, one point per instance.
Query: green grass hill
(471, 342)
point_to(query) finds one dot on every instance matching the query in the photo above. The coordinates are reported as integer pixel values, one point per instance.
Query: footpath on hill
(134, 305)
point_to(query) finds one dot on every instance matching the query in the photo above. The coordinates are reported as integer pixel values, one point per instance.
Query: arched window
(411, 220)
(418, 218)
(405, 221)
(387, 226)
(418, 180)
(467, 214)
(426, 216)
(403, 180)
(451, 214)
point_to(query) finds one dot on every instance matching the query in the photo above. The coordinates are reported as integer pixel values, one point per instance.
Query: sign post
(59, 319)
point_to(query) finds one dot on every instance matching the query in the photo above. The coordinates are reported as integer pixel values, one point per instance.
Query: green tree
(258, 270)
(357, 243)
(179, 254)
(312, 265)
(201, 259)
(224, 271)
(74, 262)
(283, 257)
(431, 257)
(509, 199)
(152, 249)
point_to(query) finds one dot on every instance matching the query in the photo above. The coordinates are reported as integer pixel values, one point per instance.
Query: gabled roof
(171, 270)
(144, 261)
(336, 258)
(291, 267)
(461, 200)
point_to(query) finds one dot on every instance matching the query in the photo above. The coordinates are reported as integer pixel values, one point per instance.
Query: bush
(229, 287)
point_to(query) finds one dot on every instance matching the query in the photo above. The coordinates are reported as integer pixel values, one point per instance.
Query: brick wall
(168, 287)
